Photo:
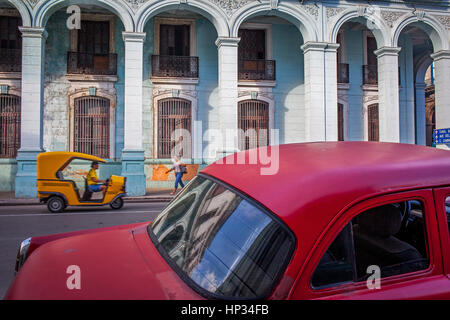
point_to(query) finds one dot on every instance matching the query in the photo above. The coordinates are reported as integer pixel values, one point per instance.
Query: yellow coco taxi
(59, 192)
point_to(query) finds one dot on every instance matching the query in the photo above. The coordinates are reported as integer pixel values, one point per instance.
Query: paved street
(20, 222)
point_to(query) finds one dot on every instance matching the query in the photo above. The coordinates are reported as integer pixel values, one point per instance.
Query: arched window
(253, 122)
(91, 126)
(340, 122)
(9, 125)
(373, 124)
(174, 121)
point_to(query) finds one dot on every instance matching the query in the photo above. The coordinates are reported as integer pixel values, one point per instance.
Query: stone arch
(373, 21)
(45, 11)
(436, 32)
(204, 8)
(291, 12)
(23, 10)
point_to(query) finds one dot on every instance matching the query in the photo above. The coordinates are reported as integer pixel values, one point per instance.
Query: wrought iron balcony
(10, 60)
(174, 66)
(342, 73)
(90, 63)
(370, 74)
(256, 70)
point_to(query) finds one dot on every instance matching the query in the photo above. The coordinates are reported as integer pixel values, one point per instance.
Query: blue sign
(441, 136)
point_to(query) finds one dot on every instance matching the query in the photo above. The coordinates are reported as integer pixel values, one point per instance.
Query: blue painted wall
(355, 59)
(289, 91)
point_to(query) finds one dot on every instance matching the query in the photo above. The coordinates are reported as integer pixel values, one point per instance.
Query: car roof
(317, 180)
(48, 163)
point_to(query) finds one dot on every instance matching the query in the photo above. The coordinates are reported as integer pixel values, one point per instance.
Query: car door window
(390, 236)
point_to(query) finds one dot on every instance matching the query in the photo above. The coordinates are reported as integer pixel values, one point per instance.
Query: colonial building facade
(138, 70)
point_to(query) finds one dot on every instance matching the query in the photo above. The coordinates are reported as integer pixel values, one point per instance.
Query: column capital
(441, 54)
(133, 36)
(33, 32)
(332, 47)
(387, 51)
(227, 41)
(314, 46)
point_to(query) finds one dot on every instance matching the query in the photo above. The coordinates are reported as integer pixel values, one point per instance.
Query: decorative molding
(134, 5)
(230, 6)
(252, 93)
(174, 93)
(32, 3)
(361, 10)
(312, 10)
(445, 20)
(274, 4)
(419, 14)
(332, 11)
(391, 16)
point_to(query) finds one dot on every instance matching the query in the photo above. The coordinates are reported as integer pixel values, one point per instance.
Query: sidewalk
(153, 195)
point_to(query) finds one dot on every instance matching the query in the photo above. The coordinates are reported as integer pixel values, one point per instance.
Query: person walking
(178, 168)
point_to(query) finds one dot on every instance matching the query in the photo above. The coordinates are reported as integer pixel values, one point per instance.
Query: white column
(33, 41)
(133, 153)
(228, 92)
(388, 95)
(134, 43)
(315, 95)
(442, 91)
(32, 100)
(331, 98)
(420, 114)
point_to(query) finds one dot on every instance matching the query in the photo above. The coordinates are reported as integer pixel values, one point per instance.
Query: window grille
(9, 125)
(173, 114)
(253, 122)
(373, 124)
(340, 122)
(91, 126)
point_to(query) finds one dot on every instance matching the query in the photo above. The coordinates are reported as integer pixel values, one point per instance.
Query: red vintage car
(345, 220)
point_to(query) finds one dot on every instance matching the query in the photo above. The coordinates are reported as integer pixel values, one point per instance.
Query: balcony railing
(370, 74)
(256, 70)
(90, 63)
(10, 60)
(174, 66)
(342, 73)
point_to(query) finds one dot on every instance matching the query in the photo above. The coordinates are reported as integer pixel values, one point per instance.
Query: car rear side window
(447, 211)
(390, 237)
(225, 244)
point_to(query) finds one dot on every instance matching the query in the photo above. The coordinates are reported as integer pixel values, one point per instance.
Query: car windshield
(224, 243)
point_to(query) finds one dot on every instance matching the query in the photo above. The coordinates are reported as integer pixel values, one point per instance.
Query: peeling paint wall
(56, 85)
(8, 170)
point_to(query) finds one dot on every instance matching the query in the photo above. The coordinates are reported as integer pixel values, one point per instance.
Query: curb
(31, 202)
